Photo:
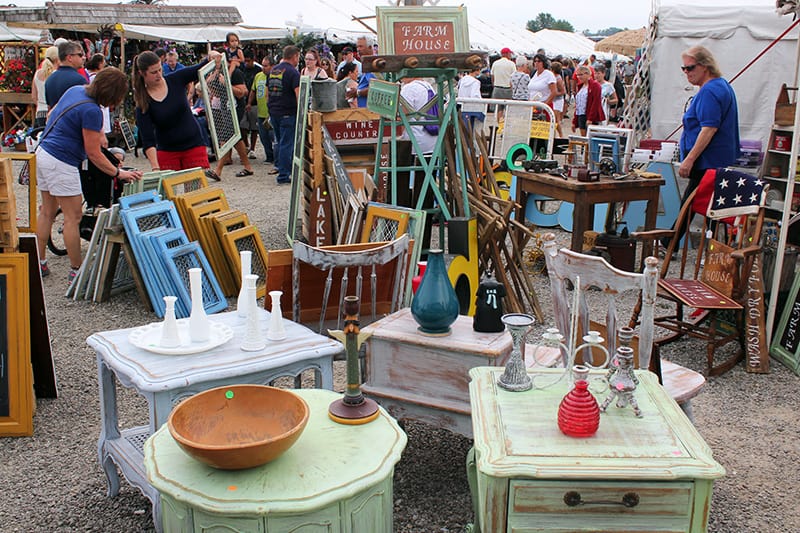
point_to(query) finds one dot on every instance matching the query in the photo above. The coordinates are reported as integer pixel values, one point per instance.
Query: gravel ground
(53, 482)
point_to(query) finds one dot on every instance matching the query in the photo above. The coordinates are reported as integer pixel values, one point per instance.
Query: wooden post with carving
(756, 350)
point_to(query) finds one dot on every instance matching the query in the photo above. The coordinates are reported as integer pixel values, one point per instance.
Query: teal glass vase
(435, 305)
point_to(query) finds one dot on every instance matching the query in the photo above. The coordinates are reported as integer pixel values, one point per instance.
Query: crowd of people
(74, 95)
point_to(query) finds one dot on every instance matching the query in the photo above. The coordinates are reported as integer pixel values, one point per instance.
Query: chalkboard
(16, 390)
(127, 132)
(786, 341)
(298, 156)
(4, 392)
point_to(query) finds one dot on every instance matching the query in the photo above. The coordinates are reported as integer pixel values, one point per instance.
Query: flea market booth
(757, 50)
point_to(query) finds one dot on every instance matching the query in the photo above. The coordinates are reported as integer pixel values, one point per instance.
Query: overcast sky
(591, 15)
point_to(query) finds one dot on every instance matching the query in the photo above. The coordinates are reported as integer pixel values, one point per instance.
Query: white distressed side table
(653, 473)
(425, 378)
(164, 380)
(336, 478)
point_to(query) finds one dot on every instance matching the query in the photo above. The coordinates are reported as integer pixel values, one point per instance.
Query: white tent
(203, 34)
(19, 34)
(735, 35)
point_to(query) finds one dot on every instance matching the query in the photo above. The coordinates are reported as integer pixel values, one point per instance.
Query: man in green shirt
(260, 94)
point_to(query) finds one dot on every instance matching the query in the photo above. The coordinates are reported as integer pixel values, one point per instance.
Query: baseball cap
(505, 50)
(347, 50)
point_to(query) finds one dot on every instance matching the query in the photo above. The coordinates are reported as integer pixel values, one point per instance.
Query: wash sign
(383, 97)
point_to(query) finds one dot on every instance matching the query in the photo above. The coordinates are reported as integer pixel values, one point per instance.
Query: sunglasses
(688, 68)
(80, 54)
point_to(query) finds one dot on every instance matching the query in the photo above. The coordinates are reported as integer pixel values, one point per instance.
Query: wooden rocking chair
(709, 285)
(599, 280)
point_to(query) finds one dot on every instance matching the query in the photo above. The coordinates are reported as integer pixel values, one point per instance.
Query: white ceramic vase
(253, 339)
(276, 331)
(170, 338)
(245, 258)
(199, 325)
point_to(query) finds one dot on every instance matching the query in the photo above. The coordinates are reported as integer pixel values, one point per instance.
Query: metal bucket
(323, 95)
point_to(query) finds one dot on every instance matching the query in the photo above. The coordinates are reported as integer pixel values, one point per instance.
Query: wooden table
(425, 377)
(584, 195)
(335, 478)
(18, 111)
(525, 471)
(164, 380)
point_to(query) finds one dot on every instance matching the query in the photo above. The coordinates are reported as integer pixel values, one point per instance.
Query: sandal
(244, 172)
(210, 174)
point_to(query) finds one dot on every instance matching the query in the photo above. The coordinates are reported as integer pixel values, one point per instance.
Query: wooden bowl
(240, 426)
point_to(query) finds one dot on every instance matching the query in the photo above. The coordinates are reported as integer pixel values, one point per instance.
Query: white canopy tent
(735, 35)
(19, 34)
(203, 34)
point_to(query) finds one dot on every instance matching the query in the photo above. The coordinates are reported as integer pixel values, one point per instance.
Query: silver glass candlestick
(515, 377)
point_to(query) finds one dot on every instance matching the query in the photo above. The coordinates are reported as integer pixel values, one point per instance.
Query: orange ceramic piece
(238, 426)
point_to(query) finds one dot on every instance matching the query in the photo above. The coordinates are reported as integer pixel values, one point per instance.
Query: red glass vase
(416, 280)
(579, 414)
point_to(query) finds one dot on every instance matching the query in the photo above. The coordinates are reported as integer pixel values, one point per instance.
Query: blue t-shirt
(363, 83)
(59, 81)
(169, 124)
(64, 139)
(714, 106)
(282, 81)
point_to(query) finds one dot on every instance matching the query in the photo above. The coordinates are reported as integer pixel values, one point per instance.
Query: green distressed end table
(635, 474)
(336, 478)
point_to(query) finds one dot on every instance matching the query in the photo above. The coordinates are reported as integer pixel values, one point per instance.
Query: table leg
(109, 424)
(582, 220)
(650, 218)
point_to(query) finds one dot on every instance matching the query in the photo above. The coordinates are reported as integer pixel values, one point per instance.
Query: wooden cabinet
(653, 473)
(424, 377)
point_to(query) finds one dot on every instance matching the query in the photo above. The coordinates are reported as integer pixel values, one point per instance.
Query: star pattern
(735, 193)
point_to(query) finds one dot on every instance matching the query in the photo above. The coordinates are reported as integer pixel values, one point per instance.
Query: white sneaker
(251, 155)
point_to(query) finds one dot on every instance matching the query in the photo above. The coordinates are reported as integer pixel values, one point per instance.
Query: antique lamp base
(354, 415)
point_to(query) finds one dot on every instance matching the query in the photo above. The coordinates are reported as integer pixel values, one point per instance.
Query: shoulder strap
(50, 126)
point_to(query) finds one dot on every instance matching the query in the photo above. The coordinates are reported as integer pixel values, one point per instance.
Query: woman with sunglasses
(710, 137)
(313, 69)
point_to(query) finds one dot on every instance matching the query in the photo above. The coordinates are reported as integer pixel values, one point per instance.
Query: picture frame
(785, 345)
(16, 374)
(223, 122)
(422, 30)
(298, 157)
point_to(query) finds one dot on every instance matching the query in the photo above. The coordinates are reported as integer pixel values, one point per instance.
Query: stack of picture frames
(26, 363)
(163, 254)
(221, 231)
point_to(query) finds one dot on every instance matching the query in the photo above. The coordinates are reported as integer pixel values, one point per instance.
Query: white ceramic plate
(148, 337)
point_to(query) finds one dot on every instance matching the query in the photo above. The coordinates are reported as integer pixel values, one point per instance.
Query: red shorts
(191, 158)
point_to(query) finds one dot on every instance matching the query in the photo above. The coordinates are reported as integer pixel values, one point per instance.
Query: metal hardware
(573, 499)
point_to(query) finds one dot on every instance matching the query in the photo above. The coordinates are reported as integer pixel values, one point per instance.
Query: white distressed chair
(598, 279)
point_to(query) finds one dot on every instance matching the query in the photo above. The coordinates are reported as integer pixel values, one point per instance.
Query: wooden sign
(16, 390)
(383, 97)
(720, 271)
(417, 30)
(786, 341)
(320, 232)
(755, 328)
